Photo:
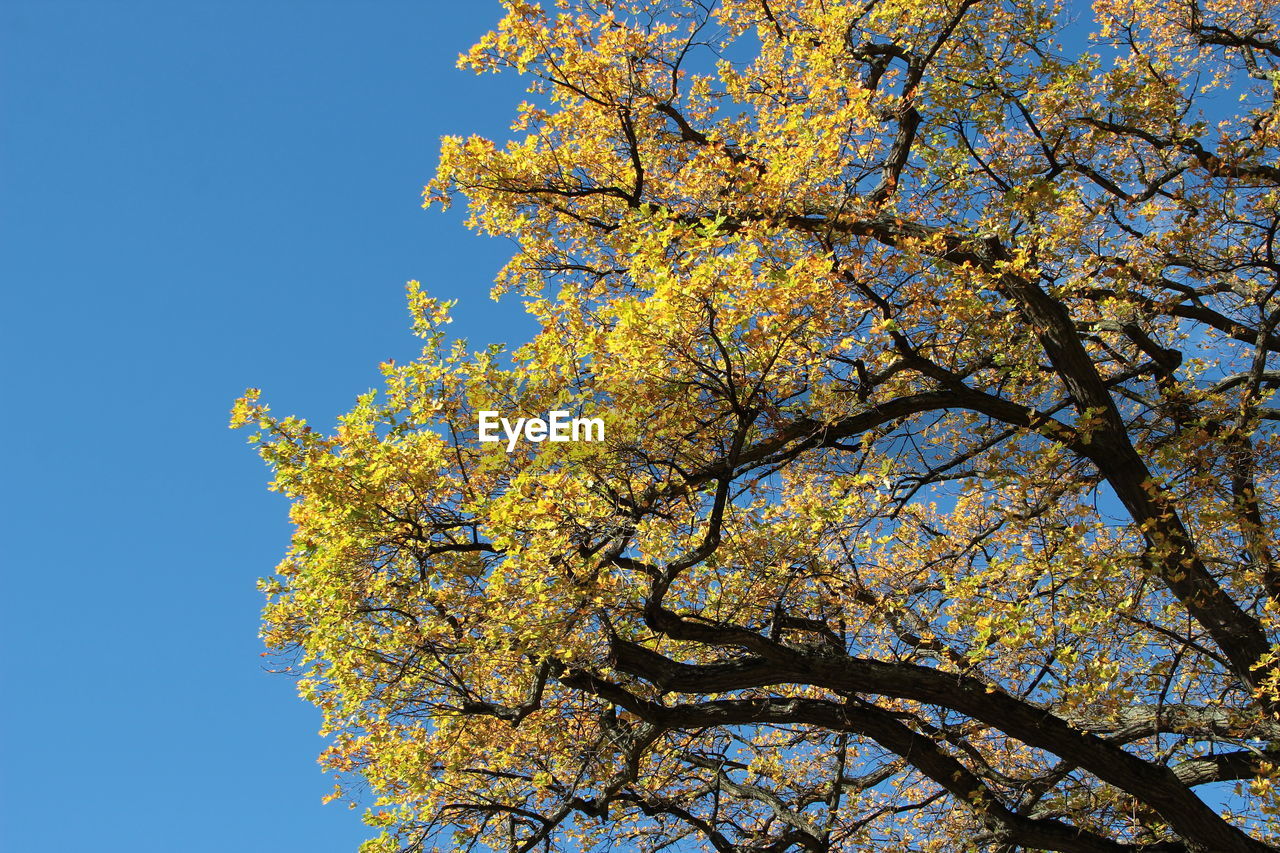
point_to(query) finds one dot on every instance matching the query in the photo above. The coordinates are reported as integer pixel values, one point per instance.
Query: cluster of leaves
(936, 509)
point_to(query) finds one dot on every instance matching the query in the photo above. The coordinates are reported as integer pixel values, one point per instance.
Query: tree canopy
(935, 344)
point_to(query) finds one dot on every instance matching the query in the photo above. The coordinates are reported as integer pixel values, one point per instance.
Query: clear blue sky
(196, 198)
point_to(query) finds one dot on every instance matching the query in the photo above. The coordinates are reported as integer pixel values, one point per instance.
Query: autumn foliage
(936, 344)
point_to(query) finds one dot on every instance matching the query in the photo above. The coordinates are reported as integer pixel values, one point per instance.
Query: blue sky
(197, 198)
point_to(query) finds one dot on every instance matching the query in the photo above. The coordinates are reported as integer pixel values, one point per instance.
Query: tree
(936, 506)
